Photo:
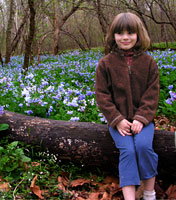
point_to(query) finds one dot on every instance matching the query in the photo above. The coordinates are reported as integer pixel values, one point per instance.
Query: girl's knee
(143, 147)
(128, 152)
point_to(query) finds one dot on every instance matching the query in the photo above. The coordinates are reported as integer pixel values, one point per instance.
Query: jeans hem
(148, 177)
(129, 183)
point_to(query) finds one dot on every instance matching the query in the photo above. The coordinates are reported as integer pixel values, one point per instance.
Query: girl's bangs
(125, 23)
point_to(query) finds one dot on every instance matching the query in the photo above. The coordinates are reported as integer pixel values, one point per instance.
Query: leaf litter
(92, 189)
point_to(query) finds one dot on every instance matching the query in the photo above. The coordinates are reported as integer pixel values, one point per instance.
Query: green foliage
(48, 169)
(166, 61)
(12, 161)
(4, 127)
(62, 87)
(163, 45)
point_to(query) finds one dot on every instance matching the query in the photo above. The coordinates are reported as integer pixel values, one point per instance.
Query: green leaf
(12, 145)
(25, 158)
(4, 127)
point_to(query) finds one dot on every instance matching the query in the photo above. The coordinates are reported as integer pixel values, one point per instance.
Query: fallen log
(82, 142)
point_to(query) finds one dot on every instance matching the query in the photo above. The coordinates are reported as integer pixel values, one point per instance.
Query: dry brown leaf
(172, 196)
(94, 196)
(4, 187)
(60, 184)
(106, 196)
(26, 166)
(111, 179)
(115, 187)
(83, 194)
(80, 198)
(36, 189)
(35, 164)
(80, 181)
(140, 191)
(171, 191)
(162, 122)
(103, 187)
(172, 129)
(1, 179)
(64, 179)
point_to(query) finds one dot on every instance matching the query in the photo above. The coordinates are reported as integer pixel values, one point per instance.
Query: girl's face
(125, 40)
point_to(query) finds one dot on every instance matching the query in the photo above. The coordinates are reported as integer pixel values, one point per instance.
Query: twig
(16, 189)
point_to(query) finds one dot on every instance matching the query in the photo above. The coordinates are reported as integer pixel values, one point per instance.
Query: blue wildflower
(20, 105)
(69, 112)
(89, 93)
(29, 112)
(170, 87)
(168, 101)
(74, 119)
(1, 110)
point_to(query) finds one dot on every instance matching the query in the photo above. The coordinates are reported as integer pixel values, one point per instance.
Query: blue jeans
(137, 160)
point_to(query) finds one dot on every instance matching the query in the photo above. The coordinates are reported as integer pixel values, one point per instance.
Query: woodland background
(51, 26)
(41, 27)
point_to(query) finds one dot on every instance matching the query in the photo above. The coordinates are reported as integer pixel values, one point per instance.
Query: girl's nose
(125, 36)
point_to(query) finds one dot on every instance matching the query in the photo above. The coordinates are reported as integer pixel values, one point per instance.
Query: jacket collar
(131, 52)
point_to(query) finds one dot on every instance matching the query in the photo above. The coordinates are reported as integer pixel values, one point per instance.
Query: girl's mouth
(125, 43)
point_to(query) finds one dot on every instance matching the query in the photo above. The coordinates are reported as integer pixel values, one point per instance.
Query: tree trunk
(19, 33)
(9, 32)
(82, 142)
(40, 44)
(56, 34)
(58, 24)
(101, 17)
(1, 60)
(31, 34)
(75, 39)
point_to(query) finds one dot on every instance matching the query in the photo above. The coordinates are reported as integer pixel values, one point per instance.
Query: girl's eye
(130, 32)
(119, 33)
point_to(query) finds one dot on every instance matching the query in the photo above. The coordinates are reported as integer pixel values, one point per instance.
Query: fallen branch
(81, 142)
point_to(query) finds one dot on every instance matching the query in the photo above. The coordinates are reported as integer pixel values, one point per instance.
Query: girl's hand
(136, 127)
(124, 127)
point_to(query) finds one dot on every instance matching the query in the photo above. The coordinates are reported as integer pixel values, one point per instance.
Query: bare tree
(19, 32)
(31, 34)
(9, 32)
(151, 11)
(101, 17)
(1, 60)
(59, 21)
(40, 44)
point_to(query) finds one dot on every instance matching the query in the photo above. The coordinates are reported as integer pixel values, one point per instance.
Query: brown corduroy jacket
(127, 92)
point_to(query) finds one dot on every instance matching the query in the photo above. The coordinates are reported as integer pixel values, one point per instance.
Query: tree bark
(40, 44)
(31, 34)
(9, 32)
(1, 60)
(56, 34)
(101, 17)
(19, 33)
(58, 25)
(75, 39)
(82, 142)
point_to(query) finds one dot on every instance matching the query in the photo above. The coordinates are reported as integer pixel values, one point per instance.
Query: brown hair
(131, 23)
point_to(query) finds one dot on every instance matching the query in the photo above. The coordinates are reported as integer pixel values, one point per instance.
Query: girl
(127, 92)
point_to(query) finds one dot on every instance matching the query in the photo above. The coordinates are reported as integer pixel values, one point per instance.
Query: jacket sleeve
(104, 97)
(149, 100)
